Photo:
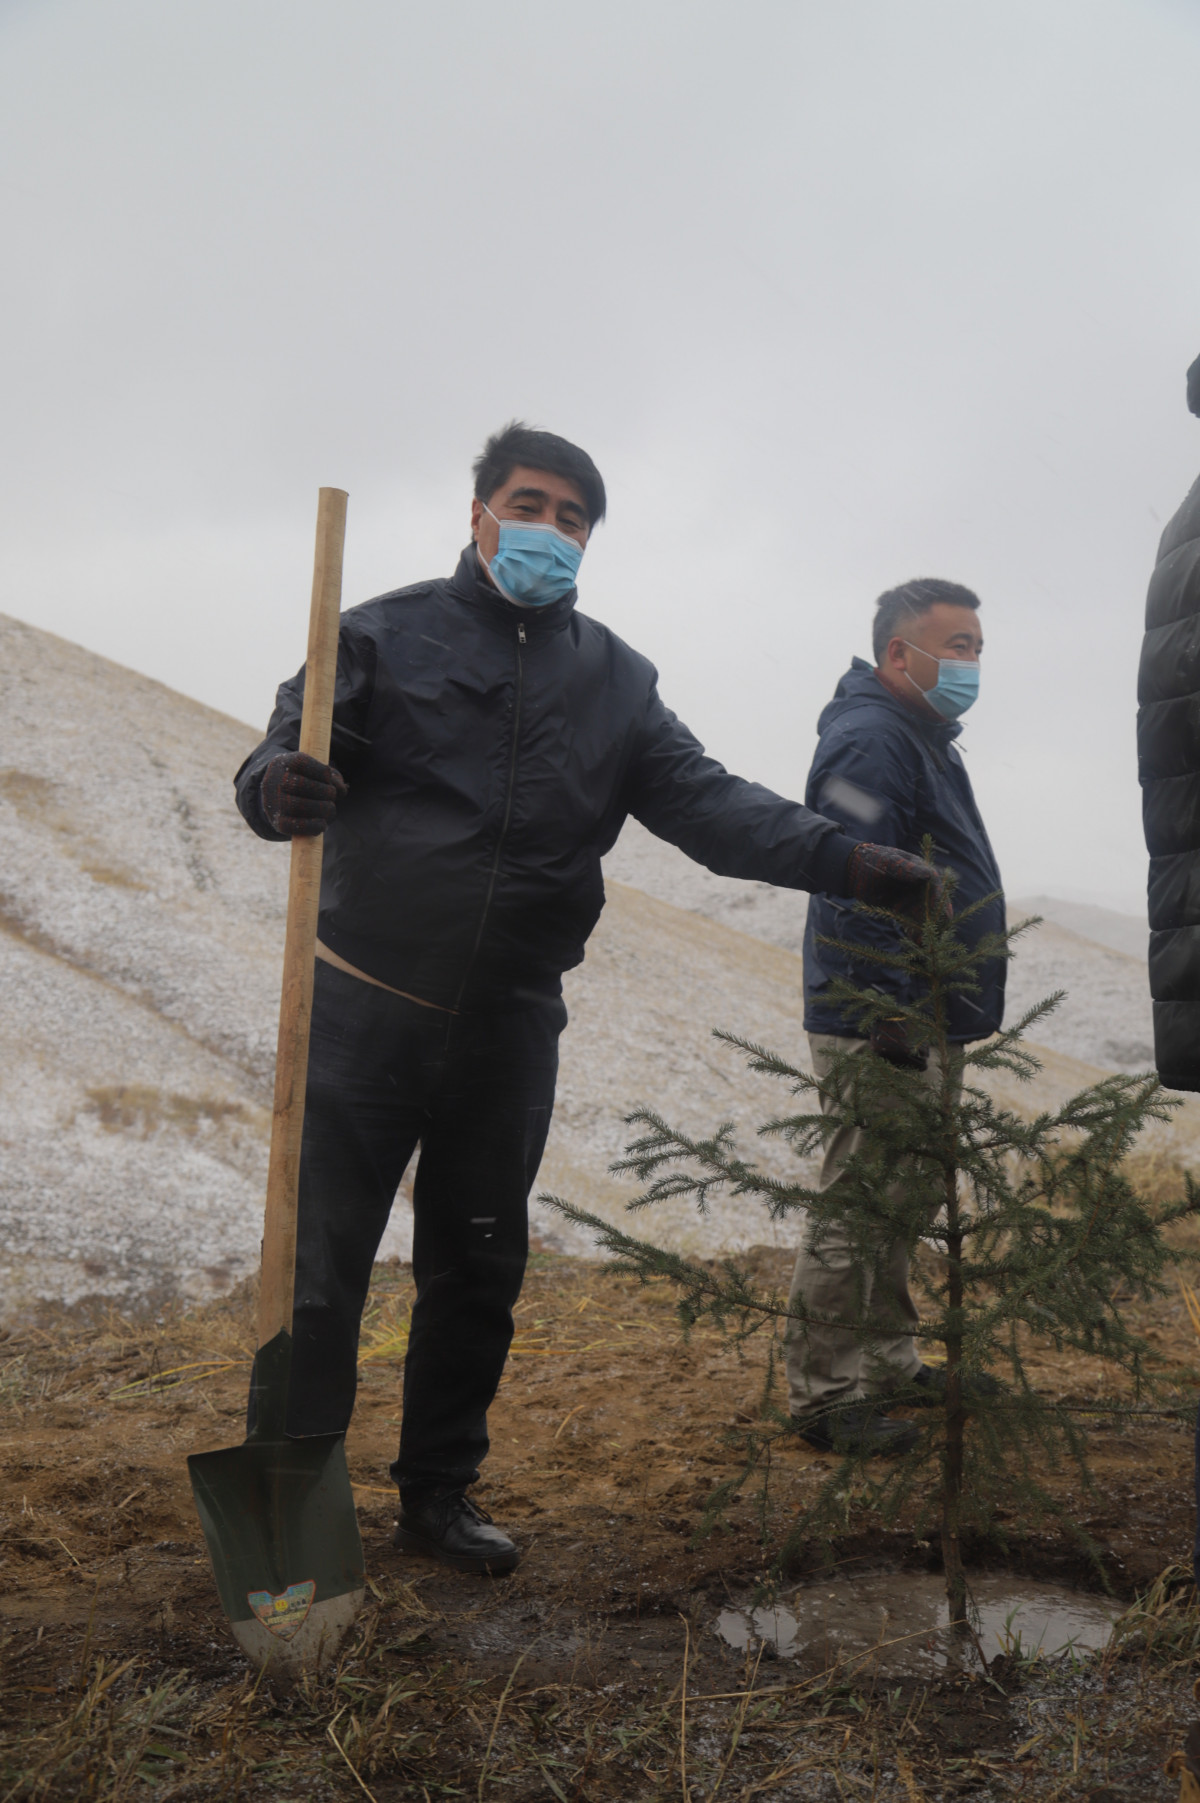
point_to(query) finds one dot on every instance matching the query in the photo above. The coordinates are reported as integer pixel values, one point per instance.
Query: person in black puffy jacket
(489, 741)
(1169, 769)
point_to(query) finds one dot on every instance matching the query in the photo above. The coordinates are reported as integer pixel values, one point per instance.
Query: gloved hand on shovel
(885, 877)
(300, 794)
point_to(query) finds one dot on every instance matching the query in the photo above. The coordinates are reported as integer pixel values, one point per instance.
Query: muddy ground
(592, 1672)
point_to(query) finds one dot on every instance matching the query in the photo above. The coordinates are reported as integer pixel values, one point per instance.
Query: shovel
(278, 1514)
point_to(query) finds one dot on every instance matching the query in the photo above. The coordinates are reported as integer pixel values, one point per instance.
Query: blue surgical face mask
(533, 565)
(956, 688)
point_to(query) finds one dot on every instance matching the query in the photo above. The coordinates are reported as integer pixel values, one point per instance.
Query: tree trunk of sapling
(952, 1460)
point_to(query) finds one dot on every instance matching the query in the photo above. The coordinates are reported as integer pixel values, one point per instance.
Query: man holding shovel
(488, 743)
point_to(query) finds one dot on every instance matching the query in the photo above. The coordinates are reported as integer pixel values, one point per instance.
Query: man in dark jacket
(488, 743)
(1169, 768)
(886, 764)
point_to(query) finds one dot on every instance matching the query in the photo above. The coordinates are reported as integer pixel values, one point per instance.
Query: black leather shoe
(860, 1429)
(453, 1529)
(927, 1388)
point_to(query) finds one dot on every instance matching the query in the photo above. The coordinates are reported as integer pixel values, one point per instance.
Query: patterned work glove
(300, 794)
(885, 877)
(890, 1039)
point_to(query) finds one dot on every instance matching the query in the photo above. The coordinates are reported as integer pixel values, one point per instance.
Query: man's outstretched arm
(738, 828)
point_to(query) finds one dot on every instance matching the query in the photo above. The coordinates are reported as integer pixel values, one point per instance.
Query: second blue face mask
(533, 565)
(956, 688)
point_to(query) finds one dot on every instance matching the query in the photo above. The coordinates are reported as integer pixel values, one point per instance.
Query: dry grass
(37, 798)
(142, 1109)
(31, 795)
(391, 1723)
(592, 1675)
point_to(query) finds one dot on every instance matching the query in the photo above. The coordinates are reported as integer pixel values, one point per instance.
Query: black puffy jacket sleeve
(733, 827)
(351, 700)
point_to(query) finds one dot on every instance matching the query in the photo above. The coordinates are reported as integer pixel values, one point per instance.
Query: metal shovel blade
(279, 1519)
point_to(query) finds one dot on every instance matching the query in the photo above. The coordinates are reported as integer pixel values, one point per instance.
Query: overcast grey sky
(836, 294)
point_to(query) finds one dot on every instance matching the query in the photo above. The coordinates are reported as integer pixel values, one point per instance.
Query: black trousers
(477, 1091)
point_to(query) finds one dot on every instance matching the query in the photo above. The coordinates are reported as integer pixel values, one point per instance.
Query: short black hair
(909, 602)
(517, 444)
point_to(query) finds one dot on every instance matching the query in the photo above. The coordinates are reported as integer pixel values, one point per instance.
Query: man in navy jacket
(489, 741)
(887, 766)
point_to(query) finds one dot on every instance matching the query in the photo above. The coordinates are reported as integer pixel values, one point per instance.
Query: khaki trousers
(829, 1366)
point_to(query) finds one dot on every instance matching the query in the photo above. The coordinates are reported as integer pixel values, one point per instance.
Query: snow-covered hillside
(141, 929)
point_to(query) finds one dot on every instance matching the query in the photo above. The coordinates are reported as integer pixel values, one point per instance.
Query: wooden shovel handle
(299, 952)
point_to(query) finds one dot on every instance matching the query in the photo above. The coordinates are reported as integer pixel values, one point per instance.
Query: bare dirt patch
(566, 1680)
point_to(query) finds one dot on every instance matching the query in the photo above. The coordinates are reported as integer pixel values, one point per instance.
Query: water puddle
(897, 1622)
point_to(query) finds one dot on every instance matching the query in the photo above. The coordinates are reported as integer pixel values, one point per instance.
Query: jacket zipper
(508, 801)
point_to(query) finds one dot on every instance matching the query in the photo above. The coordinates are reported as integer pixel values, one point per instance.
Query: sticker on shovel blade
(284, 1614)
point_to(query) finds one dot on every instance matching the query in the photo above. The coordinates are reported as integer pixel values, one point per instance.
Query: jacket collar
(469, 585)
(860, 683)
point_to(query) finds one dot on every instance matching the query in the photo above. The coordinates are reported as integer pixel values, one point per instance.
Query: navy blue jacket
(892, 776)
(493, 753)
